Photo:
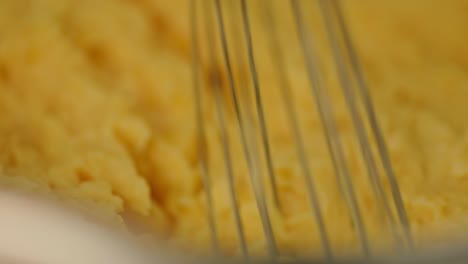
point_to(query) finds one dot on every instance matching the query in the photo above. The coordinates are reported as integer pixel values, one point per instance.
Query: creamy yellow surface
(96, 103)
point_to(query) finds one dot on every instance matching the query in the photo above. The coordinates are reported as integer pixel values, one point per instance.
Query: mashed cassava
(96, 103)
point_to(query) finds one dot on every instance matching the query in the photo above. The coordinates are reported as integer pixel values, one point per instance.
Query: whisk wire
(226, 148)
(258, 101)
(206, 179)
(375, 127)
(333, 140)
(355, 93)
(278, 57)
(252, 161)
(357, 121)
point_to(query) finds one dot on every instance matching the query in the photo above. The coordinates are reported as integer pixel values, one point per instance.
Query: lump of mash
(96, 103)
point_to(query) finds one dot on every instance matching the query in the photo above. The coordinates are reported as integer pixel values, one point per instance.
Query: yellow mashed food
(96, 103)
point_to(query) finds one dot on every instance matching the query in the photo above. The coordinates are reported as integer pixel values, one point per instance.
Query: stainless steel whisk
(356, 96)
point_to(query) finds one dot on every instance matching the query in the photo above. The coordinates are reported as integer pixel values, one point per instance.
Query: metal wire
(356, 97)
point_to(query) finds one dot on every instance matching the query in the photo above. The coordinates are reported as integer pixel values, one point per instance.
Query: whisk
(212, 20)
